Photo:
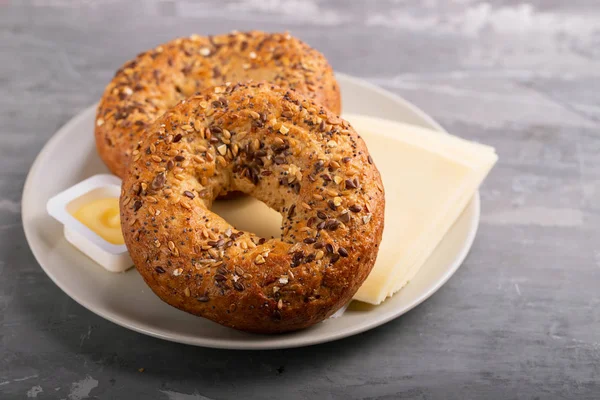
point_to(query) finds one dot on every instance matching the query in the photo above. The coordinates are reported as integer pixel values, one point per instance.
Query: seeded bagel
(297, 157)
(156, 80)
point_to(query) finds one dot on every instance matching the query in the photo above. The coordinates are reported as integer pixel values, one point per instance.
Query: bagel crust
(283, 149)
(145, 87)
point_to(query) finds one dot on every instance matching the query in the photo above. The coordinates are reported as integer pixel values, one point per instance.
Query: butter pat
(429, 178)
(102, 217)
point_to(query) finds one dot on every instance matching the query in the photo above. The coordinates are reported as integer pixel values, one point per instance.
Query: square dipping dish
(113, 257)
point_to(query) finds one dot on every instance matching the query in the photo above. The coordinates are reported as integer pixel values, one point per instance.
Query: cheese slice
(429, 178)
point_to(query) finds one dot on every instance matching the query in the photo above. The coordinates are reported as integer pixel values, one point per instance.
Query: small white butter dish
(114, 258)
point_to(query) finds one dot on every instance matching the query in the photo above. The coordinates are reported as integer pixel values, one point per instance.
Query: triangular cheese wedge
(429, 178)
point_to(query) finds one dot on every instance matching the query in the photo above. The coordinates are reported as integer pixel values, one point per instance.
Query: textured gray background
(520, 319)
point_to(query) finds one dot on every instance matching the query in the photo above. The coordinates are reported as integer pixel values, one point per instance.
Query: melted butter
(102, 217)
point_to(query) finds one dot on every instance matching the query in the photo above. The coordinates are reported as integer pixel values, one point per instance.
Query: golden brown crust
(283, 149)
(154, 81)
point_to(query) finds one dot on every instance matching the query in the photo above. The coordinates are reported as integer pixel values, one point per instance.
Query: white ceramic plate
(70, 156)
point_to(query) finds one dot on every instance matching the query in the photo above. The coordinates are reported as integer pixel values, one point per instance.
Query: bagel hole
(249, 214)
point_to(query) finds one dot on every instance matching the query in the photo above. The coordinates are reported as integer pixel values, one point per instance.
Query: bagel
(156, 80)
(282, 148)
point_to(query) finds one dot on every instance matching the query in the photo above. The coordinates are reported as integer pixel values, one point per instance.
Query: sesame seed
(186, 291)
(151, 199)
(319, 254)
(284, 129)
(204, 51)
(280, 304)
(156, 158)
(222, 149)
(259, 259)
(221, 161)
(99, 122)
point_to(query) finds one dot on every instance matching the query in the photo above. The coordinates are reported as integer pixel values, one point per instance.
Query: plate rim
(269, 343)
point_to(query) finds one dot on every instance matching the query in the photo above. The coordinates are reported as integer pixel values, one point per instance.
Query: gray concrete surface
(520, 319)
